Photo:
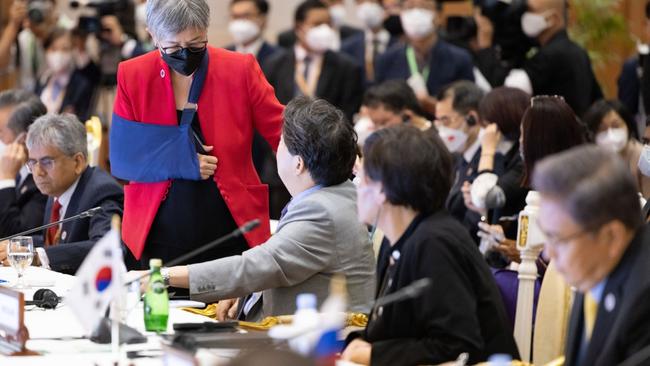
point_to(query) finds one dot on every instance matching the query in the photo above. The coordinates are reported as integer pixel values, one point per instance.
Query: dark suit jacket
(464, 172)
(447, 63)
(287, 38)
(561, 67)
(78, 95)
(622, 325)
(462, 311)
(355, 47)
(264, 53)
(339, 82)
(95, 188)
(21, 208)
(629, 85)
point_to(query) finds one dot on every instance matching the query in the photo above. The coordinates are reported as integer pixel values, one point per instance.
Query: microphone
(88, 213)
(495, 198)
(411, 291)
(247, 227)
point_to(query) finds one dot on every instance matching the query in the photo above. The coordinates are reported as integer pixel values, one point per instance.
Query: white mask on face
(58, 61)
(644, 161)
(417, 23)
(321, 38)
(370, 14)
(533, 24)
(454, 139)
(337, 13)
(614, 139)
(141, 14)
(243, 30)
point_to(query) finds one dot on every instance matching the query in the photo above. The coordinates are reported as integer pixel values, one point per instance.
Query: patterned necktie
(590, 309)
(51, 238)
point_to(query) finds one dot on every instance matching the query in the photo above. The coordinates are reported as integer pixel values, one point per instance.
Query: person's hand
(14, 157)
(358, 351)
(509, 248)
(3, 252)
(112, 30)
(144, 281)
(17, 13)
(467, 198)
(484, 30)
(207, 163)
(227, 309)
(490, 139)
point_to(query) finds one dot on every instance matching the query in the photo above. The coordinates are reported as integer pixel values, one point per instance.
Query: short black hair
(466, 96)
(595, 114)
(394, 95)
(647, 10)
(261, 5)
(54, 35)
(505, 106)
(301, 11)
(320, 134)
(27, 107)
(414, 167)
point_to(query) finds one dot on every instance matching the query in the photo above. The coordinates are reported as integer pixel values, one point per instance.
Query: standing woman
(182, 128)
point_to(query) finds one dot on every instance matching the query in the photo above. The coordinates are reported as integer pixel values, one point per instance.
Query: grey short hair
(594, 185)
(63, 131)
(167, 18)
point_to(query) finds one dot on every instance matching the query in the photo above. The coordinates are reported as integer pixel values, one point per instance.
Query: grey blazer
(319, 236)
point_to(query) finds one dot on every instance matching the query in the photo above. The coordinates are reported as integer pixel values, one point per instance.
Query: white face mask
(533, 24)
(614, 139)
(364, 128)
(141, 14)
(454, 139)
(321, 38)
(417, 23)
(243, 30)
(370, 14)
(58, 61)
(644, 161)
(337, 13)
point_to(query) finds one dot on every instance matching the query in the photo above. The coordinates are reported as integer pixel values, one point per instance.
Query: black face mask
(184, 61)
(393, 24)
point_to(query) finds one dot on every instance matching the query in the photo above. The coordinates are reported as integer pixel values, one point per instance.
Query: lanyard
(413, 64)
(195, 92)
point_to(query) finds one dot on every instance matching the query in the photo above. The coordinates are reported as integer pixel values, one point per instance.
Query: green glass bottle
(156, 301)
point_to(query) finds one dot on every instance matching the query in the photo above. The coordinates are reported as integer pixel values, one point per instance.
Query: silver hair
(167, 18)
(62, 131)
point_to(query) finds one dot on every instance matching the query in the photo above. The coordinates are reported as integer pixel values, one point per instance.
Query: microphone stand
(88, 213)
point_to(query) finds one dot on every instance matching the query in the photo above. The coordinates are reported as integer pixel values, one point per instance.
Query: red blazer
(236, 100)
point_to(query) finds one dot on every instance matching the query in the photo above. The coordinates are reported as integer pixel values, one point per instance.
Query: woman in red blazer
(182, 128)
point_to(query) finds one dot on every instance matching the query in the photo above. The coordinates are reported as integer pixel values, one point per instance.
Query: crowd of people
(380, 151)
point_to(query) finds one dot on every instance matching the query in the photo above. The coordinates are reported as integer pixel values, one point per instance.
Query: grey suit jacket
(319, 236)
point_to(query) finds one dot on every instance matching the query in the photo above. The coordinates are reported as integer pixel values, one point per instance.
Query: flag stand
(116, 310)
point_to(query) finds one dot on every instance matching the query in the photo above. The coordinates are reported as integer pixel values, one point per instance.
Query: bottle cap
(155, 262)
(306, 301)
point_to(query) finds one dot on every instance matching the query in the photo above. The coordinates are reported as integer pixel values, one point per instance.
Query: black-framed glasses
(197, 47)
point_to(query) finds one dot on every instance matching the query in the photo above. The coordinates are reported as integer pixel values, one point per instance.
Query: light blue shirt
(302, 195)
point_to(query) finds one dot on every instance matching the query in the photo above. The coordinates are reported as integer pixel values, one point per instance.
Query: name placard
(13, 333)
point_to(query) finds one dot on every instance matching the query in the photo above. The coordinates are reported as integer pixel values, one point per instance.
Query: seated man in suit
(317, 236)
(57, 159)
(246, 27)
(589, 211)
(427, 62)
(310, 68)
(21, 204)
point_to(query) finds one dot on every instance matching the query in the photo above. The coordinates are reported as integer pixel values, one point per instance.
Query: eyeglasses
(197, 47)
(46, 163)
(541, 97)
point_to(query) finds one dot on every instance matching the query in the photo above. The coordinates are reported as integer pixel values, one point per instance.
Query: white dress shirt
(315, 64)
(252, 49)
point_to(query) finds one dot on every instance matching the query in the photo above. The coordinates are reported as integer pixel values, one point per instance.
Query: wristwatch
(164, 272)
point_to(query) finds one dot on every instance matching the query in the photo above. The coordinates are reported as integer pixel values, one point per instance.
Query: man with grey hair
(57, 149)
(591, 217)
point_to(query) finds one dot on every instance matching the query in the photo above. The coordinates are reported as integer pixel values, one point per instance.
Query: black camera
(38, 10)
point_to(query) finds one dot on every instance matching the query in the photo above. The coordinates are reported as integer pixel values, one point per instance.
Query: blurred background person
(247, 24)
(613, 127)
(62, 87)
(22, 205)
(426, 61)
(404, 181)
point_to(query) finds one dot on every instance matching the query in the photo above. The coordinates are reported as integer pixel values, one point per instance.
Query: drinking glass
(20, 252)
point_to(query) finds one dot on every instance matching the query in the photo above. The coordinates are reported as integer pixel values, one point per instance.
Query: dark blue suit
(95, 188)
(77, 97)
(355, 47)
(21, 207)
(263, 54)
(629, 85)
(447, 63)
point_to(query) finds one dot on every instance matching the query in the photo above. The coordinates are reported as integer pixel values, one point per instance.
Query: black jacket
(622, 325)
(21, 208)
(462, 311)
(77, 97)
(263, 54)
(95, 188)
(339, 83)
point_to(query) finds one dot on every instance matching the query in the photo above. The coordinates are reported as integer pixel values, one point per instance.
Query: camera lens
(36, 16)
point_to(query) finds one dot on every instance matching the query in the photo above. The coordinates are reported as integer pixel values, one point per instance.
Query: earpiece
(44, 298)
(471, 120)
